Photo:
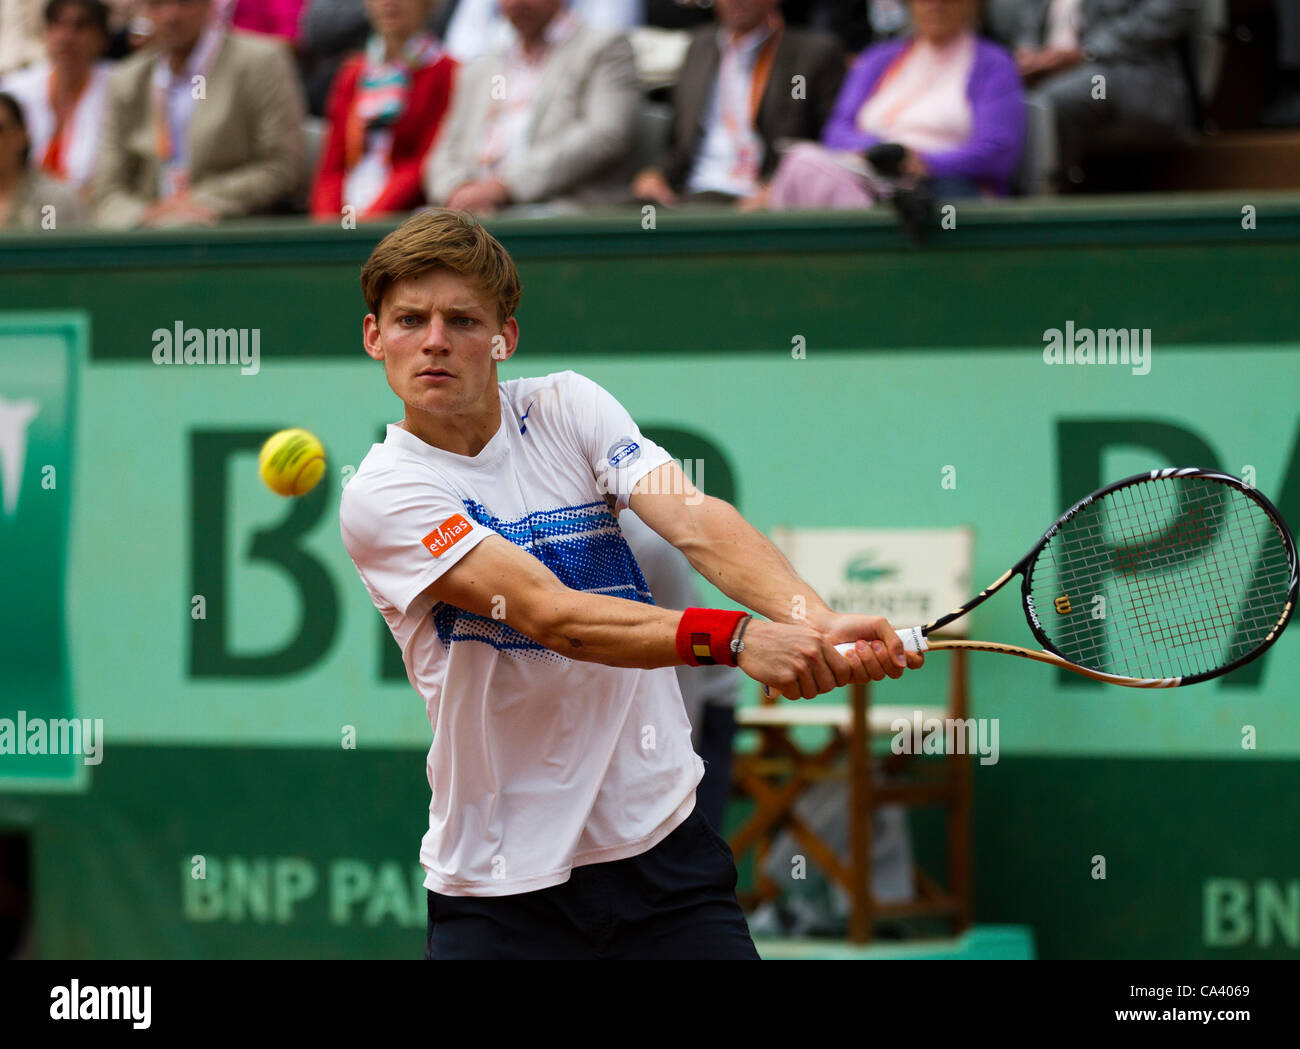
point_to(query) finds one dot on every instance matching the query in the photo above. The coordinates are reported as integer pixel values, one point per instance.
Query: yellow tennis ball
(291, 462)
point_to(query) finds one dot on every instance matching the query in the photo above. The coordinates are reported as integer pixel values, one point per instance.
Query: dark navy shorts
(677, 901)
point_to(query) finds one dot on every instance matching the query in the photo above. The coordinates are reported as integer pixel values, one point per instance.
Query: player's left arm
(743, 563)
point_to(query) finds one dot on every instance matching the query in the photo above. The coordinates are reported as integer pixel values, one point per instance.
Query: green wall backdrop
(821, 370)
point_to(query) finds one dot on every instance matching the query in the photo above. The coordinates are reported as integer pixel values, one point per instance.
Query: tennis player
(484, 527)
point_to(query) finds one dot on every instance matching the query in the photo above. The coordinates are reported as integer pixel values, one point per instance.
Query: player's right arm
(498, 579)
(415, 546)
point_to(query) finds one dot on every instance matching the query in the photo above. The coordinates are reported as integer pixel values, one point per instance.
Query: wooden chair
(911, 577)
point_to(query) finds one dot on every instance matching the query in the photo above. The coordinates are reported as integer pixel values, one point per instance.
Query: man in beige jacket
(550, 119)
(205, 125)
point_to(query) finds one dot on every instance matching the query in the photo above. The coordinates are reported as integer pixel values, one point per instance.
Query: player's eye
(469, 321)
(408, 317)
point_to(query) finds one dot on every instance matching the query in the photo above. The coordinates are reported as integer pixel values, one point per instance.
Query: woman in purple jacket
(951, 99)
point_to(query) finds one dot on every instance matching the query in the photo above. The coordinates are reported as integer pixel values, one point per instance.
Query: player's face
(440, 340)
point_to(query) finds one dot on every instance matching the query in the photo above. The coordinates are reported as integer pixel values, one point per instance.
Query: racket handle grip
(913, 639)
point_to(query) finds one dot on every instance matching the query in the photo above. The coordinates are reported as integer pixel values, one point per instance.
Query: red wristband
(704, 636)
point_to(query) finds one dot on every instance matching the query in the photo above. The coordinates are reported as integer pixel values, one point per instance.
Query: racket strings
(1156, 554)
(1221, 577)
(1192, 573)
(1206, 583)
(1183, 590)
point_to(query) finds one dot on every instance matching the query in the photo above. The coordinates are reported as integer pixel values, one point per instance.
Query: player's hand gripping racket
(1167, 578)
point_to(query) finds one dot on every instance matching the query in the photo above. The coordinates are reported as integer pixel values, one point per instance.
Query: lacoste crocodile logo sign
(864, 569)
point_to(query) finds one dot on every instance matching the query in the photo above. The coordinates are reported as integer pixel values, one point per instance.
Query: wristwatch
(737, 642)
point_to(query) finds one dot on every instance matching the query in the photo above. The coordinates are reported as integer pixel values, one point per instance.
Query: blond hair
(442, 239)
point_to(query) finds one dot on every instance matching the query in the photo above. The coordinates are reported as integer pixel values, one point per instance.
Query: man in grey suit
(1100, 64)
(746, 84)
(206, 126)
(548, 120)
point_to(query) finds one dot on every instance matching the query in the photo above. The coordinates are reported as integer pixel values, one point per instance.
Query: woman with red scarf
(384, 110)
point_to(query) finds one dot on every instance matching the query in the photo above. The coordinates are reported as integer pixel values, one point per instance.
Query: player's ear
(370, 337)
(506, 340)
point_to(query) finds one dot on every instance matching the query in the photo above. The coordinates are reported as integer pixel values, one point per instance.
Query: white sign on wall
(910, 576)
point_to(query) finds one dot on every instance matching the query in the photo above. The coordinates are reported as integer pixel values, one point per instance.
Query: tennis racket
(1163, 579)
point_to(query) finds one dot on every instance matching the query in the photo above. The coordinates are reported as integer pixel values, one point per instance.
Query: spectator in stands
(558, 131)
(951, 99)
(1132, 45)
(332, 31)
(476, 27)
(63, 95)
(20, 34)
(205, 125)
(709, 693)
(385, 110)
(736, 97)
(29, 199)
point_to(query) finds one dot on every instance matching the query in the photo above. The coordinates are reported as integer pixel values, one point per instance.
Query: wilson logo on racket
(1062, 604)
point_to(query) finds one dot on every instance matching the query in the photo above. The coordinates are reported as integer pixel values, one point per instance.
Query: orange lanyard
(887, 119)
(200, 63)
(53, 162)
(759, 78)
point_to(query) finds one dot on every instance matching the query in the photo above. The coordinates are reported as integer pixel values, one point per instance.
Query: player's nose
(437, 334)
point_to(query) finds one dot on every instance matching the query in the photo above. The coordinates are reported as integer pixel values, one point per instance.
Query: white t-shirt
(539, 763)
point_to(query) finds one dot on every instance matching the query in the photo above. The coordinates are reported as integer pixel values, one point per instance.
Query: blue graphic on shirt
(523, 419)
(582, 545)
